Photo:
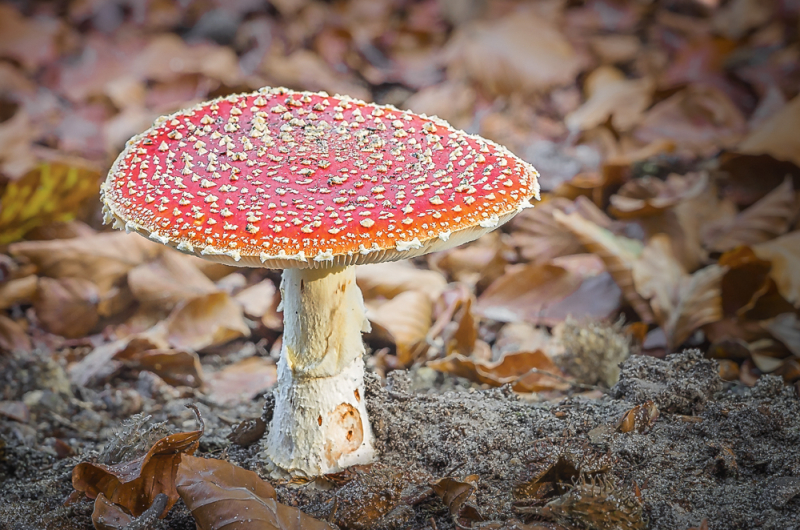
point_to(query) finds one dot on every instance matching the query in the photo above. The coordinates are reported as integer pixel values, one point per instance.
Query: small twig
(148, 518)
(199, 417)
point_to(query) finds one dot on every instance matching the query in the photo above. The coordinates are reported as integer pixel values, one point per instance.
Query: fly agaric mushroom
(313, 185)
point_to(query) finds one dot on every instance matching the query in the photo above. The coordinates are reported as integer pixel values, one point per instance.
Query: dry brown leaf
(18, 291)
(618, 254)
(103, 259)
(177, 368)
(261, 301)
(33, 41)
(222, 496)
(305, 70)
(521, 52)
(524, 292)
(387, 280)
(611, 96)
(109, 516)
(786, 328)
(681, 303)
(204, 321)
(699, 119)
(135, 484)
(539, 236)
(50, 192)
(649, 196)
(456, 495)
(453, 101)
(525, 371)
(455, 327)
(745, 282)
(168, 280)
(784, 254)
(102, 360)
(478, 263)
(738, 184)
(16, 137)
(407, 317)
(777, 136)
(240, 382)
(767, 219)
(12, 337)
(67, 306)
(168, 56)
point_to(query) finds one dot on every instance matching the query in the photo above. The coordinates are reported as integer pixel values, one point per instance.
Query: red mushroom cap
(283, 179)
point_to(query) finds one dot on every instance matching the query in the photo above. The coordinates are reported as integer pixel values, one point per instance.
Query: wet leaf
(681, 302)
(767, 219)
(51, 192)
(109, 516)
(618, 254)
(67, 306)
(222, 496)
(407, 317)
(103, 259)
(784, 255)
(639, 419)
(524, 292)
(525, 371)
(135, 484)
(240, 382)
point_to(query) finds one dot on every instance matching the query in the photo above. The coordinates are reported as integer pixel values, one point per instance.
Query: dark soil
(725, 453)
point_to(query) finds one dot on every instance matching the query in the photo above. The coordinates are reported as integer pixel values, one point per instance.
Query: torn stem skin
(320, 422)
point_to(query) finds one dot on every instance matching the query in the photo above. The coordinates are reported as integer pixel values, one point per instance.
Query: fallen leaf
(177, 368)
(455, 325)
(453, 101)
(202, 322)
(12, 337)
(51, 192)
(539, 236)
(747, 286)
(776, 136)
(407, 317)
(767, 219)
(698, 119)
(786, 328)
(261, 301)
(618, 254)
(67, 306)
(33, 41)
(525, 371)
(610, 96)
(784, 255)
(18, 291)
(222, 496)
(478, 263)
(639, 419)
(368, 495)
(387, 280)
(524, 292)
(681, 302)
(168, 280)
(168, 56)
(523, 52)
(109, 516)
(240, 382)
(104, 259)
(648, 196)
(736, 176)
(456, 496)
(134, 485)
(102, 360)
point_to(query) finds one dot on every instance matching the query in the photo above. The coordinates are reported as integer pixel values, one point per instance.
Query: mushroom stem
(320, 422)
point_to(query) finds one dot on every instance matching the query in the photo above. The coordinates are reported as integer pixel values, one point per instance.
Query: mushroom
(313, 185)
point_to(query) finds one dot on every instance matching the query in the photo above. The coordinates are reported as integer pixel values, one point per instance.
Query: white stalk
(320, 422)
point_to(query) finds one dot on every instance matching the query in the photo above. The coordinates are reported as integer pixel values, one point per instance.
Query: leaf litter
(664, 136)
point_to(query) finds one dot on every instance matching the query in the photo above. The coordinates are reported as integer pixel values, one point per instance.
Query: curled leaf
(639, 419)
(222, 496)
(135, 484)
(784, 254)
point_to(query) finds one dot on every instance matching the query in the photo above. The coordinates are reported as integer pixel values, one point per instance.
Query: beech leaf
(407, 317)
(784, 254)
(222, 496)
(134, 485)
